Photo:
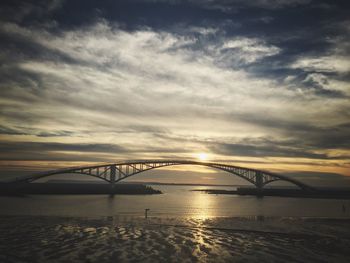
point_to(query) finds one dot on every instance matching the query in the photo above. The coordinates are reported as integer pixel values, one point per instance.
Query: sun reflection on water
(204, 204)
(205, 210)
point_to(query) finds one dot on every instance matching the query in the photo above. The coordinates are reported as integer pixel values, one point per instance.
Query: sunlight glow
(202, 156)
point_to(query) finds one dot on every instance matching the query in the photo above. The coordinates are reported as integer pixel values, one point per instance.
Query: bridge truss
(116, 172)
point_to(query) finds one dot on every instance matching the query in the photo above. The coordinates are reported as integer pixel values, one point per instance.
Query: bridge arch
(115, 172)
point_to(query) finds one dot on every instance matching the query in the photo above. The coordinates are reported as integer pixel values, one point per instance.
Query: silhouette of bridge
(115, 172)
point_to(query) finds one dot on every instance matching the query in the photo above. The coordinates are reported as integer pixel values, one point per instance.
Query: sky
(262, 84)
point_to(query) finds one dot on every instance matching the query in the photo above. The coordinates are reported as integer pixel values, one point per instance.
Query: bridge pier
(112, 176)
(259, 180)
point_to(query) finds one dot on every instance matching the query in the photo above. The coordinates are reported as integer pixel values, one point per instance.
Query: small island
(75, 188)
(284, 192)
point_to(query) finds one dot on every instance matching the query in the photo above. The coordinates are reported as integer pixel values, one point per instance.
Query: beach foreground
(135, 239)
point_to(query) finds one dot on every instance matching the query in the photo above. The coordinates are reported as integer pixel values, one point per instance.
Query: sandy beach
(135, 239)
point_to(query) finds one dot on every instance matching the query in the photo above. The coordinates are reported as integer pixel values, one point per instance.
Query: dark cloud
(271, 148)
(266, 150)
(10, 131)
(41, 151)
(7, 147)
(21, 150)
(55, 134)
(232, 5)
(33, 11)
(304, 144)
(303, 134)
(5, 130)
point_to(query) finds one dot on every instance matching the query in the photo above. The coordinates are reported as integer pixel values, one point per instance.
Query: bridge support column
(259, 181)
(112, 177)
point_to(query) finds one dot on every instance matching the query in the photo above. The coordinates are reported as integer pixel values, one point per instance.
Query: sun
(202, 156)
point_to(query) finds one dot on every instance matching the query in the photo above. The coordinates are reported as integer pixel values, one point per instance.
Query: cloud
(326, 64)
(120, 73)
(328, 73)
(111, 61)
(109, 89)
(248, 50)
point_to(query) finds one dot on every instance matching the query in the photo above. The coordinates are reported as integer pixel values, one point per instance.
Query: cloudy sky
(262, 84)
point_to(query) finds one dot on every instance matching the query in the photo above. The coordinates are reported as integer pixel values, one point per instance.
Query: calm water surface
(184, 226)
(176, 201)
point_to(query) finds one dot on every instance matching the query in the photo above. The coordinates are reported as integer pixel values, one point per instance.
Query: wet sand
(135, 239)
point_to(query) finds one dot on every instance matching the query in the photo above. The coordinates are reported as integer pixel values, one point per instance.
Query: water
(184, 226)
(177, 201)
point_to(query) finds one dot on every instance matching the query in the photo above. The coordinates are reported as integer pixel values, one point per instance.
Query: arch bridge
(115, 172)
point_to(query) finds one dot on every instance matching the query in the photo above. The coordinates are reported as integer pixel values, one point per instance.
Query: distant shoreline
(75, 188)
(321, 193)
(137, 188)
